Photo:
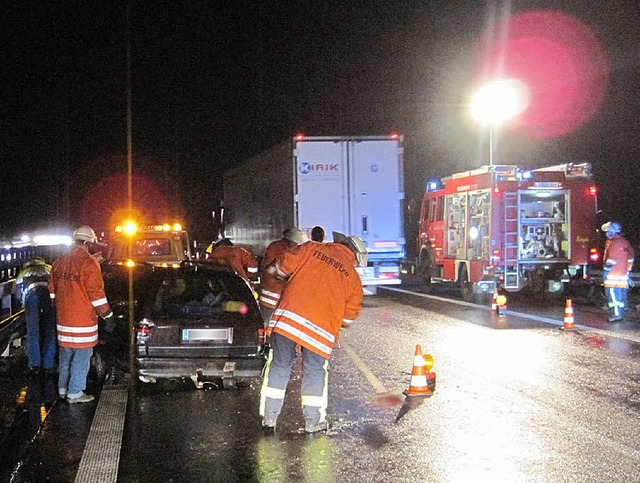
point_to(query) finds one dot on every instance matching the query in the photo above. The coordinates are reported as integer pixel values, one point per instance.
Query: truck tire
(466, 289)
(425, 267)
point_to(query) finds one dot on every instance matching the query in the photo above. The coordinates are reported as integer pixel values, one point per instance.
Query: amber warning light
(593, 190)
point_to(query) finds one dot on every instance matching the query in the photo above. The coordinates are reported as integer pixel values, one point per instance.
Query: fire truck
(507, 228)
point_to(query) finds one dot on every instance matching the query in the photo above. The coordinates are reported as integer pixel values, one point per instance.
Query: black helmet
(355, 244)
(223, 242)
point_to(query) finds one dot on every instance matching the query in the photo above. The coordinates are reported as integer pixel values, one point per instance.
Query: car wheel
(99, 366)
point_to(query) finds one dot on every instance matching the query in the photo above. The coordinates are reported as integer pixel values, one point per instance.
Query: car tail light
(143, 330)
(594, 256)
(388, 276)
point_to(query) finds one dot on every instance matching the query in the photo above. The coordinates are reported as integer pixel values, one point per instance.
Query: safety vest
(77, 290)
(322, 294)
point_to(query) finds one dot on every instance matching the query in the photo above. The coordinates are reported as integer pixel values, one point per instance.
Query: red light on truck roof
(299, 136)
(394, 135)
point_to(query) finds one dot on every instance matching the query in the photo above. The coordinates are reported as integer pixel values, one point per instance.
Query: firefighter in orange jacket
(270, 286)
(224, 253)
(77, 290)
(323, 293)
(618, 259)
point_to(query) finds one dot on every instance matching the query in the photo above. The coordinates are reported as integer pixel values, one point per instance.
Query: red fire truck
(507, 228)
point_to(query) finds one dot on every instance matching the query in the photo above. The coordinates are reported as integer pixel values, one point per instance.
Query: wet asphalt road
(517, 399)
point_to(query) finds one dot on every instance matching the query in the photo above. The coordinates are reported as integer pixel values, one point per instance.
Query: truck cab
(161, 245)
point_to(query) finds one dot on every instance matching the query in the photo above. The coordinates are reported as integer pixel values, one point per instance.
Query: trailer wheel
(466, 290)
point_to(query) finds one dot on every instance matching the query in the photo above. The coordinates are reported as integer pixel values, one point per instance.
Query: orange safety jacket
(619, 255)
(322, 294)
(77, 290)
(270, 286)
(237, 259)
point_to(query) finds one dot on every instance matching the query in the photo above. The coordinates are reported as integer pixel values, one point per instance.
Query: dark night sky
(214, 82)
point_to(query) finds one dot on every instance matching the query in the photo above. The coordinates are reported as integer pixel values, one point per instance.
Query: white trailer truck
(352, 185)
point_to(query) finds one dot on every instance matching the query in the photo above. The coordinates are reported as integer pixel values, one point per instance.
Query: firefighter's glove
(109, 322)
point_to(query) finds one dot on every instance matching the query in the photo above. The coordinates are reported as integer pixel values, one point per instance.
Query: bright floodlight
(499, 100)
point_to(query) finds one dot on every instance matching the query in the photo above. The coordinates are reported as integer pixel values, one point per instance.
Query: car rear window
(202, 293)
(153, 247)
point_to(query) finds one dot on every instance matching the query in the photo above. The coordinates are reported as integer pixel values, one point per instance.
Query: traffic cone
(418, 385)
(494, 303)
(569, 323)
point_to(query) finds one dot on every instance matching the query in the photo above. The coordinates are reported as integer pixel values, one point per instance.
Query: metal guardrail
(12, 258)
(11, 315)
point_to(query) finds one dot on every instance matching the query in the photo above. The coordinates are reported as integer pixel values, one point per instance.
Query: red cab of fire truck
(506, 228)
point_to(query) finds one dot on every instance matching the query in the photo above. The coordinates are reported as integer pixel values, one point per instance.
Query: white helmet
(355, 244)
(86, 234)
(295, 235)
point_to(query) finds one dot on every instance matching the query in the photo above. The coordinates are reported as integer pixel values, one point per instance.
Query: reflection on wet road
(516, 400)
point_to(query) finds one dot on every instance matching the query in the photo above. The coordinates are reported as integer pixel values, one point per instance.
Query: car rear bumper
(166, 368)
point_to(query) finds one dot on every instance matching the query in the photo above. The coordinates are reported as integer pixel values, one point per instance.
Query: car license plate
(205, 334)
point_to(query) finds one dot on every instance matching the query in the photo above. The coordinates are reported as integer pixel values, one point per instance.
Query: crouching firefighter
(323, 293)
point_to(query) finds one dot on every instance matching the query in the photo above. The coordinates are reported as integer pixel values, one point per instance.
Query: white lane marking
(560, 323)
(101, 455)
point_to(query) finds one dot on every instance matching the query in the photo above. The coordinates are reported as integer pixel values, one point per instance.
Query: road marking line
(373, 380)
(101, 456)
(559, 323)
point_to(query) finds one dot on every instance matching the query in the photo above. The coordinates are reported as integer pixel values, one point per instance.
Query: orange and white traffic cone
(569, 323)
(418, 385)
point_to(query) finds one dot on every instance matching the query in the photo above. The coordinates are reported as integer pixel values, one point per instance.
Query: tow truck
(165, 245)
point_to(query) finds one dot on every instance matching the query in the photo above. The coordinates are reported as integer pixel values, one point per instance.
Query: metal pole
(490, 143)
(130, 204)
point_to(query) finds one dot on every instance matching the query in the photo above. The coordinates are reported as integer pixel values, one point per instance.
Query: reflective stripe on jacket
(270, 286)
(619, 255)
(77, 290)
(323, 293)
